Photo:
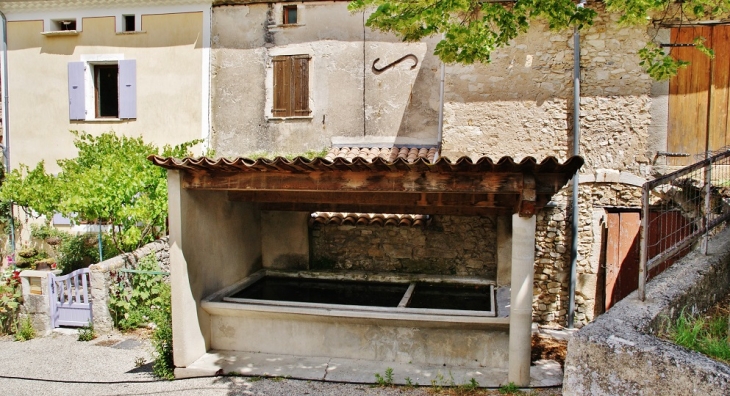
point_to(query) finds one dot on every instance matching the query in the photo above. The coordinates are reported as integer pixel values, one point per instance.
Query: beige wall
(284, 240)
(213, 243)
(399, 102)
(169, 59)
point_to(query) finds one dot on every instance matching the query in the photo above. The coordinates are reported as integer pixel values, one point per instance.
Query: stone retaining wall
(619, 354)
(450, 245)
(101, 279)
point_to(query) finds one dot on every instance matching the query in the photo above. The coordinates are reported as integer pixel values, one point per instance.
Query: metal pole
(644, 241)
(708, 206)
(101, 248)
(576, 151)
(6, 118)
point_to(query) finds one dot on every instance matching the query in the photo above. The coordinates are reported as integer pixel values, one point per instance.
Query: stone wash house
(520, 105)
(287, 78)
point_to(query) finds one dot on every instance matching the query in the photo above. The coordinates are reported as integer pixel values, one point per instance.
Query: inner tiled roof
(381, 219)
(389, 154)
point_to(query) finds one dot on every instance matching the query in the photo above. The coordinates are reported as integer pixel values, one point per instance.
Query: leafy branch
(473, 29)
(109, 182)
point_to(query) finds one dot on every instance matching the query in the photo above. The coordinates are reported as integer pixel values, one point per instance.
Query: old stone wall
(620, 354)
(552, 255)
(521, 103)
(101, 277)
(449, 245)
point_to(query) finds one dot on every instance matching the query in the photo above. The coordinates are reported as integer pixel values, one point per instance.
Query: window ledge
(105, 120)
(288, 25)
(61, 33)
(135, 32)
(309, 117)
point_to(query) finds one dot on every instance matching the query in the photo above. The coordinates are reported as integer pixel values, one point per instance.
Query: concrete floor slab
(545, 373)
(363, 371)
(260, 364)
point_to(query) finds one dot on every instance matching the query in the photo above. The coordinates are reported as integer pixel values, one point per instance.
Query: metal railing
(680, 208)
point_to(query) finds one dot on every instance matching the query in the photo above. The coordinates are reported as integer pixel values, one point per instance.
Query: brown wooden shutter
(300, 77)
(282, 86)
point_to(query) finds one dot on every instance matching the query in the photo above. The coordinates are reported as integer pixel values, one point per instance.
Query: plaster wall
(284, 240)
(169, 55)
(213, 244)
(415, 342)
(347, 98)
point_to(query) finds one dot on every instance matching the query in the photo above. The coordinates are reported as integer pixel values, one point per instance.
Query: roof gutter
(6, 116)
(576, 151)
(441, 112)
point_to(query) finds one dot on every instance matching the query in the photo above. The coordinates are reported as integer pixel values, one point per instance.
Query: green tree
(110, 181)
(473, 29)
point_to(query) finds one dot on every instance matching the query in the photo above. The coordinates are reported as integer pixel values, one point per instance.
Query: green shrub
(704, 335)
(87, 332)
(72, 252)
(26, 331)
(10, 298)
(136, 298)
(163, 366)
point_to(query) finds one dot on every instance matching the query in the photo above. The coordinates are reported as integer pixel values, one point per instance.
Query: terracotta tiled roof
(381, 219)
(358, 164)
(389, 154)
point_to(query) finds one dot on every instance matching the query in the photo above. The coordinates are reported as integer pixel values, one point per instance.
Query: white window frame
(119, 23)
(89, 95)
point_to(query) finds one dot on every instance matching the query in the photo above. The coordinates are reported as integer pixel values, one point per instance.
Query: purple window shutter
(128, 88)
(76, 93)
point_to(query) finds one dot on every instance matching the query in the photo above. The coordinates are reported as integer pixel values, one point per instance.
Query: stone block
(586, 284)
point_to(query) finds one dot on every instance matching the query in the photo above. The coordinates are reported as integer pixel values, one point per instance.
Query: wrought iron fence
(680, 208)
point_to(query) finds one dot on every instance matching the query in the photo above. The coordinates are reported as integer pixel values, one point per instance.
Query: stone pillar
(520, 322)
(100, 283)
(35, 299)
(504, 250)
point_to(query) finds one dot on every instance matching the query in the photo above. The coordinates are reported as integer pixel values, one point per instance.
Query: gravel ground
(60, 365)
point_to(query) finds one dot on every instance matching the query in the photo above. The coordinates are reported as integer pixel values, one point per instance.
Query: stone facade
(449, 245)
(552, 264)
(521, 105)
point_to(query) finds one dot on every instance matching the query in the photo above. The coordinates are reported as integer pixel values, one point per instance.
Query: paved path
(61, 365)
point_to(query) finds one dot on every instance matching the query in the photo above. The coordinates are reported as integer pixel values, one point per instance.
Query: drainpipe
(441, 112)
(576, 151)
(6, 124)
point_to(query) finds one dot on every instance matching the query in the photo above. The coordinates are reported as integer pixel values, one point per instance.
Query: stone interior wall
(450, 245)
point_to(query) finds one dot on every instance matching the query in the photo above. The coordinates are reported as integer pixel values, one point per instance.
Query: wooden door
(622, 256)
(623, 243)
(698, 95)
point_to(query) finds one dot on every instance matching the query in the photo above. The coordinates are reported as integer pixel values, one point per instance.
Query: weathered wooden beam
(400, 199)
(527, 203)
(347, 181)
